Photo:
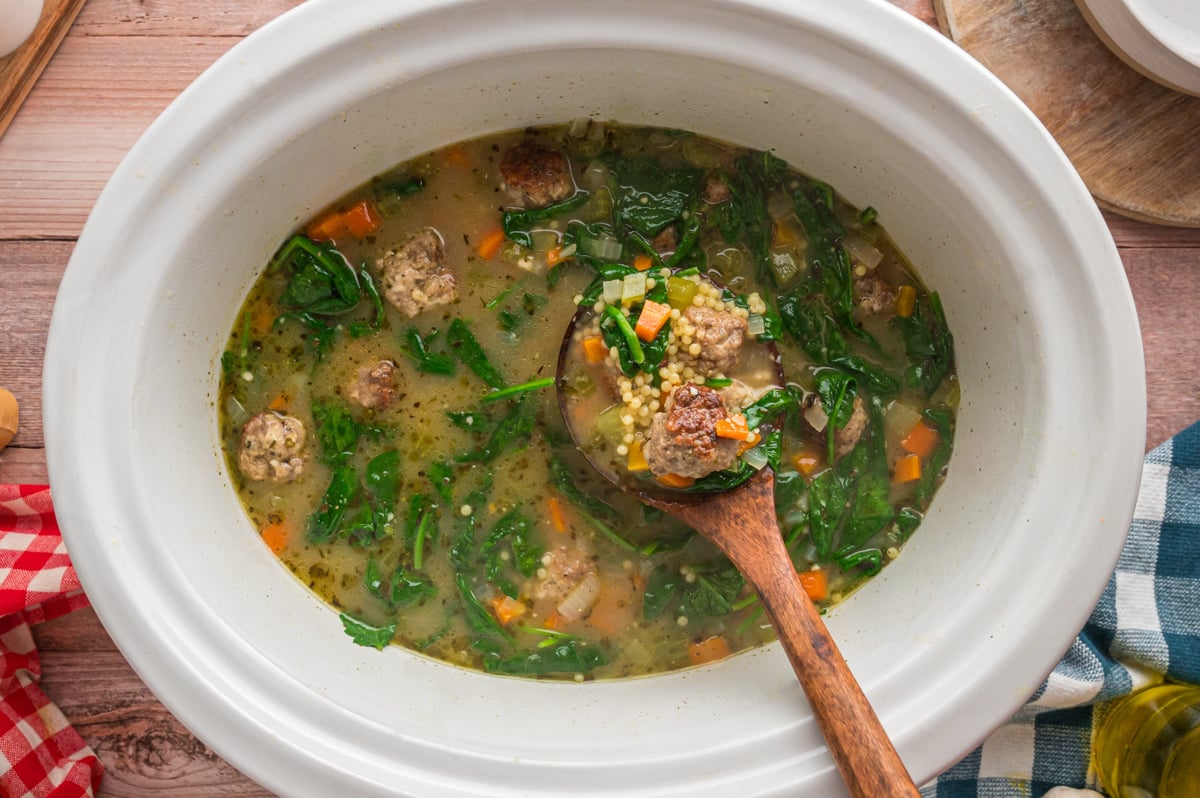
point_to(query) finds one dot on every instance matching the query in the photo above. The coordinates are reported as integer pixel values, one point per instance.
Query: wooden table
(121, 64)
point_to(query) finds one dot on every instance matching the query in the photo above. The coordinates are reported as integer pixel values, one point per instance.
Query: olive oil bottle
(1148, 744)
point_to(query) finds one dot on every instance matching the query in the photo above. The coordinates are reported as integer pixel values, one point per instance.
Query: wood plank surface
(20, 69)
(121, 64)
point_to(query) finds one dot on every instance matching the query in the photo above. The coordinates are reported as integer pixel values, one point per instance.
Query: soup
(390, 414)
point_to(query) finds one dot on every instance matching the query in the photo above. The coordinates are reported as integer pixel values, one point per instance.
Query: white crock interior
(947, 642)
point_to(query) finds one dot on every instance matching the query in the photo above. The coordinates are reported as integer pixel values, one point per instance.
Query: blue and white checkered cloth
(1145, 628)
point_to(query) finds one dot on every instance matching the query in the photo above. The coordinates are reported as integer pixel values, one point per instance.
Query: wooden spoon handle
(857, 741)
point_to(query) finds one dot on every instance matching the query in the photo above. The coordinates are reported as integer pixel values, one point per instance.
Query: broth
(389, 414)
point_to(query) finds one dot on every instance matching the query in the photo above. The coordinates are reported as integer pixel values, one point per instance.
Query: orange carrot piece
(676, 481)
(613, 611)
(278, 404)
(507, 609)
(361, 219)
(710, 650)
(556, 514)
(554, 256)
(594, 349)
(815, 584)
(749, 443)
(652, 318)
(921, 440)
(908, 468)
(489, 246)
(276, 535)
(327, 228)
(642, 262)
(805, 462)
(734, 428)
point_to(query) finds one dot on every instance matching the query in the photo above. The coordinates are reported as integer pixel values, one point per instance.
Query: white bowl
(947, 642)
(1159, 38)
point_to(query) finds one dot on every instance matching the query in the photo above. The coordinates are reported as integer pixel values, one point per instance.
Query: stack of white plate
(1159, 38)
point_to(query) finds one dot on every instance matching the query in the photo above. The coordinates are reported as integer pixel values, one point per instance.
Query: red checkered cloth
(41, 756)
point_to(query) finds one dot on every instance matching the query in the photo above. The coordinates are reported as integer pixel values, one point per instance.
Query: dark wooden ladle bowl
(742, 523)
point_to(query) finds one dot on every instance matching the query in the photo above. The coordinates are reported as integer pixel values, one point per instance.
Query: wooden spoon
(742, 523)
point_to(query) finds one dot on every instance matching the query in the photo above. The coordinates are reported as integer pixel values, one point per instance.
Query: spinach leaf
(467, 348)
(441, 474)
(572, 656)
(941, 420)
(871, 558)
(322, 282)
(713, 591)
(929, 344)
(366, 635)
(599, 515)
(518, 223)
(420, 351)
(338, 432)
(514, 527)
(462, 551)
(359, 329)
(745, 216)
(662, 585)
(770, 405)
(489, 634)
(648, 196)
(320, 336)
(409, 589)
(382, 478)
(514, 427)
(327, 519)
(827, 497)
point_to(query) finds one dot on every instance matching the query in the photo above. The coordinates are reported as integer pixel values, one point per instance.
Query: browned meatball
(271, 448)
(716, 190)
(720, 335)
(535, 175)
(684, 439)
(374, 386)
(665, 242)
(415, 276)
(846, 438)
(874, 295)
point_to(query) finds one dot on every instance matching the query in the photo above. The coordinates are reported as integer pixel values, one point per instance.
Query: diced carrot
(709, 650)
(457, 156)
(734, 428)
(556, 514)
(815, 584)
(507, 609)
(749, 443)
(906, 301)
(921, 440)
(908, 468)
(613, 611)
(327, 228)
(642, 262)
(361, 219)
(553, 621)
(594, 349)
(806, 462)
(676, 481)
(489, 246)
(637, 458)
(555, 256)
(653, 316)
(275, 535)
(278, 404)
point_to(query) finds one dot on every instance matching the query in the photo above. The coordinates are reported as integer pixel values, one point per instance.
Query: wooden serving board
(20, 69)
(1135, 142)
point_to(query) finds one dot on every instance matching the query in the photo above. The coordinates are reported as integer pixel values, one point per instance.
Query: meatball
(374, 387)
(666, 241)
(535, 175)
(719, 334)
(846, 438)
(415, 276)
(563, 567)
(684, 440)
(716, 190)
(271, 448)
(874, 295)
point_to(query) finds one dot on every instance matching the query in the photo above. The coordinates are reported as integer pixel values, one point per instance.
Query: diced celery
(680, 292)
(784, 266)
(609, 425)
(599, 206)
(612, 291)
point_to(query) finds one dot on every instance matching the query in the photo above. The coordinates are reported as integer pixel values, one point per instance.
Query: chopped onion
(816, 417)
(860, 250)
(780, 206)
(783, 264)
(543, 240)
(580, 599)
(595, 175)
(898, 421)
(237, 413)
(756, 458)
(612, 291)
(633, 287)
(604, 247)
(756, 324)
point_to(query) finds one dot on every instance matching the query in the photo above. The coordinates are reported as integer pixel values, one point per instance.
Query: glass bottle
(1148, 745)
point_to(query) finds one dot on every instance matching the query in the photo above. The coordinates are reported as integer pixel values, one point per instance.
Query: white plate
(947, 642)
(1159, 38)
